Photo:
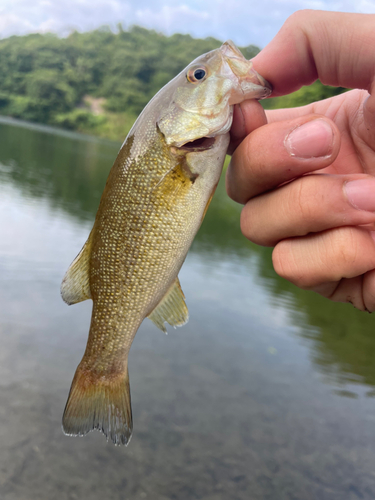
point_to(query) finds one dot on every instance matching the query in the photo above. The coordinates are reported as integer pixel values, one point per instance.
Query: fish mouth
(201, 144)
(207, 142)
(251, 84)
(255, 86)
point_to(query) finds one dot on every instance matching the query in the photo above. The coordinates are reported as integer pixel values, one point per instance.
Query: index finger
(335, 47)
(269, 156)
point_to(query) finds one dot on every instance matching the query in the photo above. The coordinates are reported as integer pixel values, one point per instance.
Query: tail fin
(98, 403)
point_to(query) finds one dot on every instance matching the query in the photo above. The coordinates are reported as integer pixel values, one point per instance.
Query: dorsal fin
(171, 309)
(75, 286)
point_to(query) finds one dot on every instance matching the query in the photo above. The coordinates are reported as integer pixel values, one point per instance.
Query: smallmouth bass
(154, 201)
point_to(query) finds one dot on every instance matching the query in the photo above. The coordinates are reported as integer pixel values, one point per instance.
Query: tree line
(52, 80)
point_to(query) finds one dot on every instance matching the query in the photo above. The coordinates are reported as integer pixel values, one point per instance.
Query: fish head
(198, 103)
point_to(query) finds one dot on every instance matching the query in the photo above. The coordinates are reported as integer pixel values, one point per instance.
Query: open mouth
(200, 144)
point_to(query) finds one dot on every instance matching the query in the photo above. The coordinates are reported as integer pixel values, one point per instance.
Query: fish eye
(199, 74)
(195, 75)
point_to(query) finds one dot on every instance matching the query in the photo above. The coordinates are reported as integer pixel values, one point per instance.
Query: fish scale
(151, 225)
(153, 203)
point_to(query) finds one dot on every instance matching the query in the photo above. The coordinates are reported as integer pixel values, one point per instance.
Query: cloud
(21, 16)
(243, 21)
(13, 24)
(171, 19)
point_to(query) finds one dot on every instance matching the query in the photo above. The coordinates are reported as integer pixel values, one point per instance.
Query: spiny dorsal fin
(75, 286)
(171, 309)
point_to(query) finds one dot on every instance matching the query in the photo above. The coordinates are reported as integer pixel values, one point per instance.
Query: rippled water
(267, 393)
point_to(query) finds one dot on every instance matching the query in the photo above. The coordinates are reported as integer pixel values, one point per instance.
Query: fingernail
(313, 139)
(361, 194)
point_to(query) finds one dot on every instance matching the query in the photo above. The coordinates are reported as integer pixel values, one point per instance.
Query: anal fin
(171, 309)
(75, 286)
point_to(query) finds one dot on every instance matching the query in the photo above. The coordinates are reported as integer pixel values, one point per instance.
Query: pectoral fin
(75, 286)
(171, 309)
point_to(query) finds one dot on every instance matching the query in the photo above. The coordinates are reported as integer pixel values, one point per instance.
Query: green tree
(44, 78)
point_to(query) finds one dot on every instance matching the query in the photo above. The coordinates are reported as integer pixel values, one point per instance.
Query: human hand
(307, 178)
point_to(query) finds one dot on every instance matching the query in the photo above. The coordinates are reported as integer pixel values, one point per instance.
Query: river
(268, 393)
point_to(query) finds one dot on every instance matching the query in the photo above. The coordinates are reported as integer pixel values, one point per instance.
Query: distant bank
(98, 82)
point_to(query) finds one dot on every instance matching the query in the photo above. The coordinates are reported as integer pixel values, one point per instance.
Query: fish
(153, 203)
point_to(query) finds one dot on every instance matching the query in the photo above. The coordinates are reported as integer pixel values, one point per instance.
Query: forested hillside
(99, 81)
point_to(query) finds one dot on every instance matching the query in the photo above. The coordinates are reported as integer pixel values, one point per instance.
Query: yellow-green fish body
(152, 206)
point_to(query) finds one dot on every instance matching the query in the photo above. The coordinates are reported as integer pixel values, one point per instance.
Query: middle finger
(310, 204)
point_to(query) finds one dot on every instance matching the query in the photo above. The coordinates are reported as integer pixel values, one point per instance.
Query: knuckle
(246, 223)
(285, 264)
(297, 18)
(252, 227)
(344, 244)
(280, 260)
(302, 199)
(295, 264)
(308, 202)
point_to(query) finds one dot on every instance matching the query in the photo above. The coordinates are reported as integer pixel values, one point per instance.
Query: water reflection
(341, 339)
(69, 171)
(230, 406)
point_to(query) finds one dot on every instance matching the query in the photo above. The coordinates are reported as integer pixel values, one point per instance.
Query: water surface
(267, 393)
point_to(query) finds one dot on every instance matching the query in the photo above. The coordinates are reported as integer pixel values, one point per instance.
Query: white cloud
(171, 19)
(243, 21)
(21, 16)
(13, 24)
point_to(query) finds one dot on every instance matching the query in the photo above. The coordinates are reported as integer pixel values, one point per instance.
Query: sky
(244, 21)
